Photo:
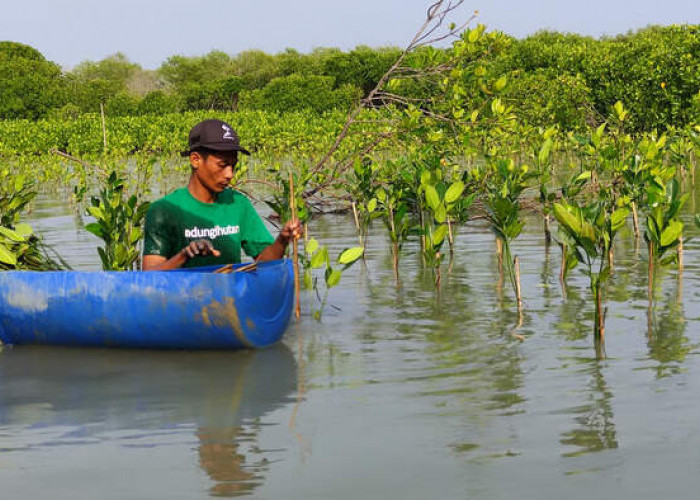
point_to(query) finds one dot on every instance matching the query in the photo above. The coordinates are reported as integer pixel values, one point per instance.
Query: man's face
(216, 171)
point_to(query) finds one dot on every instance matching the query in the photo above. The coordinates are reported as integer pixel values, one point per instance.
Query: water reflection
(97, 393)
(666, 339)
(595, 430)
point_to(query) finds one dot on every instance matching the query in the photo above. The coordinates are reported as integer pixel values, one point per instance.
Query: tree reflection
(666, 338)
(595, 429)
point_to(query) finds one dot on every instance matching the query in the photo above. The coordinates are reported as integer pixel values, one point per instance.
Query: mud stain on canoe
(224, 314)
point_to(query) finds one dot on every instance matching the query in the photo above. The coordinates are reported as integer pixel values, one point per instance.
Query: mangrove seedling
(317, 257)
(589, 231)
(118, 222)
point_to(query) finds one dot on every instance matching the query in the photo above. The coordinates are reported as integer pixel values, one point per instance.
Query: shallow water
(399, 392)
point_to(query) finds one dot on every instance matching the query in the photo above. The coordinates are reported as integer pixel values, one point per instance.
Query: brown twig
(295, 246)
(435, 17)
(228, 268)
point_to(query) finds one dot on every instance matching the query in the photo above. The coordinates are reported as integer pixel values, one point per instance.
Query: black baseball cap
(214, 135)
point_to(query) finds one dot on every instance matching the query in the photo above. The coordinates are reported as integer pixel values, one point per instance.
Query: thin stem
(295, 246)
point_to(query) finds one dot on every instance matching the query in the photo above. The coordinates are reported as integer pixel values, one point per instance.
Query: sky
(149, 31)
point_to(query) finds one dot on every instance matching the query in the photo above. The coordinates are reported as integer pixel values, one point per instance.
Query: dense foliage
(567, 79)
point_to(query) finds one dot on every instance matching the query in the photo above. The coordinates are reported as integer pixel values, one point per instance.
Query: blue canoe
(183, 309)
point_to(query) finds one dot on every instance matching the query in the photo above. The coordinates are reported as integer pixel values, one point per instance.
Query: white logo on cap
(228, 133)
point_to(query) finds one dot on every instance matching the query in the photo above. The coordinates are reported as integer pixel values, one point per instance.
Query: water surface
(398, 392)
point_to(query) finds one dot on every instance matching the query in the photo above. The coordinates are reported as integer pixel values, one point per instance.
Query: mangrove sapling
(434, 230)
(317, 257)
(503, 183)
(664, 229)
(396, 198)
(361, 187)
(589, 230)
(543, 163)
(118, 222)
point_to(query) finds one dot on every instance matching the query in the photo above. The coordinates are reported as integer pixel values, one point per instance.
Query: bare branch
(436, 15)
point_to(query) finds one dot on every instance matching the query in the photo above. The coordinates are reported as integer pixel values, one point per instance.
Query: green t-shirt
(230, 223)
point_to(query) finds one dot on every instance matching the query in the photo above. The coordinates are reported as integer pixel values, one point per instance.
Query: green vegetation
(554, 78)
(118, 221)
(20, 248)
(589, 131)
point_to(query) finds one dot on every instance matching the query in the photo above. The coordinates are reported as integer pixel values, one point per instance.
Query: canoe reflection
(222, 394)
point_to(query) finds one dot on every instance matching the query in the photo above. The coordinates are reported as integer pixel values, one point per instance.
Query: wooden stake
(499, 253)
(357, 225)
(518, 296)
(680, 254)
(650, 276)
(635, 220)
(547, 231)
(104, 126)
(295, 246)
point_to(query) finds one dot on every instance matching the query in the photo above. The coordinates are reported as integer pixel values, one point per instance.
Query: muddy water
(398, 392)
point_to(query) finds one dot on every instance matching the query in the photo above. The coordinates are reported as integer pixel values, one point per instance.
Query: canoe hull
(186, 309)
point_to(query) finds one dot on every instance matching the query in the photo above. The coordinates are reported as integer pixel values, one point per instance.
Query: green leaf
(319, 258)
(311, 246)
(135, 236)
(94, 228)
(350, 255)
(440, 213)
(371, 205)
(543, 155)
(618, 218)
(567, 219)
(652, 230)
(96, 212)
(120, 254)
(24, 229)
(584, 176)
(588, 231)
(439, 235)
(671, 234)
(500, 84)
(6, 256)
(454, 192)
(513, 229)
(432, 197)
(619, 109)
(333, 278)
(10, 234)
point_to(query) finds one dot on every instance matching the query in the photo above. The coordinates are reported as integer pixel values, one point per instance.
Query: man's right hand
(199, 248)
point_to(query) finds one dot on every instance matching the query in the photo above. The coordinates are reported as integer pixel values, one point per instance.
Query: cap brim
(214, 147)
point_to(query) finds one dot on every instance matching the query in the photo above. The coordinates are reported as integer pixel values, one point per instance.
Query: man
(207, 222)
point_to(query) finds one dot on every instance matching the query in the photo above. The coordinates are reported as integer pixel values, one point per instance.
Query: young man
(207, 222)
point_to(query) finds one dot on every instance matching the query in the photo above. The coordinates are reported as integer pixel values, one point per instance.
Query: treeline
(32, 87)
(553, 78)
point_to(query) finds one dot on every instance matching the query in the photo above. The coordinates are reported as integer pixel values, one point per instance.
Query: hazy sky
(148, 31)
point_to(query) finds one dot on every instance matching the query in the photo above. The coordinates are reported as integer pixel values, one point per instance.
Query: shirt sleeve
(158, 233)
(255, 236)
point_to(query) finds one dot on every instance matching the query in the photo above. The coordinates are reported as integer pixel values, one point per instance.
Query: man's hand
(199, 248)
(291, 230)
